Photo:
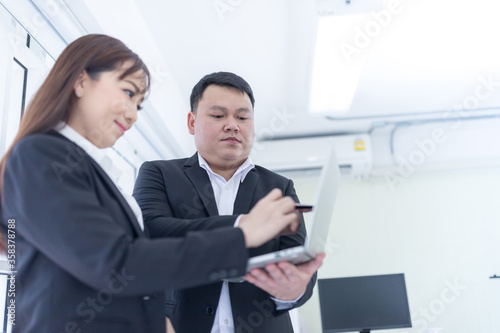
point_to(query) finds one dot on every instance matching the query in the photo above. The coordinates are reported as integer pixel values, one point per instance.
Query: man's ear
(190, 122)
(80, 83)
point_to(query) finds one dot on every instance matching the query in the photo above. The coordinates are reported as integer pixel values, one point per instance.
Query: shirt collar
(242, 171)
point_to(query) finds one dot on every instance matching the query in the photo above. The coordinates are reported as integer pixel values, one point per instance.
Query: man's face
(223, 126)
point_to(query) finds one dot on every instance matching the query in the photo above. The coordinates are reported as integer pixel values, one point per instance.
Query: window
(16, 99)
(24, 65)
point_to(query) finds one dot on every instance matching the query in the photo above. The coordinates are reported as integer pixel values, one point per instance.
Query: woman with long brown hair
(81, 261)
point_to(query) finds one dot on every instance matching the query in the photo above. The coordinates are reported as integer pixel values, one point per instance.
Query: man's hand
(272, 215)
(285, 281)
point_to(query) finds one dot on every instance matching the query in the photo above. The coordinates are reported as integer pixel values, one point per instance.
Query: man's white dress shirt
(225, 194)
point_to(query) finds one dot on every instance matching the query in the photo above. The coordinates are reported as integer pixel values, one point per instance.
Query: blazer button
(146, 298)
(222, 274)
(210, 310)
(214, 276)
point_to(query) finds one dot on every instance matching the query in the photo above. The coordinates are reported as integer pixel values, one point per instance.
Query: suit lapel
(109, 184)
(116, 192)
(199, 178)
(246, 191)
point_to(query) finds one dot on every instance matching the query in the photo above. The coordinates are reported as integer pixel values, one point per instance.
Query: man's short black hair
(223, 79)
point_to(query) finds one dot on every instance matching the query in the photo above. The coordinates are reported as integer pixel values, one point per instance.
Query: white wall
(440, 229)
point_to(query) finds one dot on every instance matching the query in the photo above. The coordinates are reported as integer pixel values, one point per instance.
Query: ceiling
(428, 57)
(269, 43)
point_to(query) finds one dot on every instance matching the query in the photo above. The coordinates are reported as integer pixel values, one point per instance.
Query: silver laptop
(323, 210)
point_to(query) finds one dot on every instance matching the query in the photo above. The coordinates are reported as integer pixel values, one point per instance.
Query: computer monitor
(364, 303)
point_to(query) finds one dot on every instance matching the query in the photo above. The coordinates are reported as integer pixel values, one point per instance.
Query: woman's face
(106, 107)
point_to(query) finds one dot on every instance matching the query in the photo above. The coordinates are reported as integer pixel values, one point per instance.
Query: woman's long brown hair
(53, 101)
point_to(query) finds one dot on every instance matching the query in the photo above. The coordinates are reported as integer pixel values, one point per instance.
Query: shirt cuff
(285, 305)
(237, 222)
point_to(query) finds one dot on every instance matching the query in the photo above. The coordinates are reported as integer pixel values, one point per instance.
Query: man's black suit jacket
(176, 197)
(83, 263)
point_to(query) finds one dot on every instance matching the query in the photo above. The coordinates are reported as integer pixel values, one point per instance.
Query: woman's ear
(80, 83)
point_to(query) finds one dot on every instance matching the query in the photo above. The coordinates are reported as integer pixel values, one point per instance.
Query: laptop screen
(323, 208)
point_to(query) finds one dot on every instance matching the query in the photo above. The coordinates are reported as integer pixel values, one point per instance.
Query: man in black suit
(184, 195)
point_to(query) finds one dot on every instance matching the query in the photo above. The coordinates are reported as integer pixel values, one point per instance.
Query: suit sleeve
(54, 199)
(151, 195)
(296, 240)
